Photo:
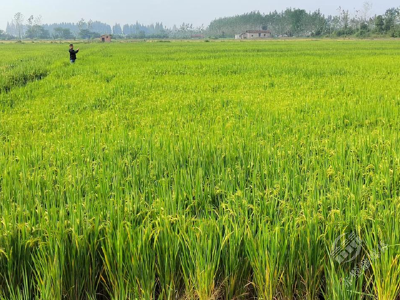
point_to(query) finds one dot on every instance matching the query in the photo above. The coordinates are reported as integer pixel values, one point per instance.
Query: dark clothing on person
(72, 54)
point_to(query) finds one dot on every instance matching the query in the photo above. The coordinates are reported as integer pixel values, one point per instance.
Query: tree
(85, 30)
(57, 33)
(9, 28)
(127, 29)
(38, 20)
(35, 29)
(344, 18)
(390, 18)
(5, 36)
(62, 33)
(81, 24)
(367, 7)
(19, 23)
(37, 32)
(117, 30)
(30, 33)
(30, 22)
(87, 34)
(67, 34)
(379, 24)
(90, 25)
(297, 17)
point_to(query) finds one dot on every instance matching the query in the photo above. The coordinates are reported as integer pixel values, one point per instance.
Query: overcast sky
(169, 12)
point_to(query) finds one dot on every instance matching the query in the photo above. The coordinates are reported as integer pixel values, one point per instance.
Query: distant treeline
(288, 23)
(82, 29)
(299, 23)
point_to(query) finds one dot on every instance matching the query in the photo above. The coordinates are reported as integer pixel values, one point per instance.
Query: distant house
(254, 35)
(197, 36)
(105, 38)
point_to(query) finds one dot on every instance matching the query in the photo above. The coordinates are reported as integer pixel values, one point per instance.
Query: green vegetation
(300, 23)
(199, 170)
(291, 22)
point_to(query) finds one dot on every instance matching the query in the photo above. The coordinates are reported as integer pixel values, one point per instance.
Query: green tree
(297, 17)
(62, 33)
(5, 36)
(18, 21)
(379, 24)
(390, 18)
(117, 29)
(87, 34)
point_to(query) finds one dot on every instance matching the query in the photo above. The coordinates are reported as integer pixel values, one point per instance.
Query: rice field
(192, 170)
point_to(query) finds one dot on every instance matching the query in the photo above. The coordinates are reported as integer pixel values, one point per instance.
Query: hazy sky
(169, 12)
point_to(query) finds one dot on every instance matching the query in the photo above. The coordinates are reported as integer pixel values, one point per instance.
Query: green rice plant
(312, 254)
(22, 292)
(341, 284)
(129, 261)
(290, 282)
(383, 254)
(48, 276)
(235, 273)
(16, 274)
(68, 265)
(198, 170)
(348, 279)
(202, 242)
(168, 250)
(267, 258)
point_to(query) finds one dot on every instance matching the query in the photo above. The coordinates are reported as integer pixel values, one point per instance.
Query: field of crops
(193, 170)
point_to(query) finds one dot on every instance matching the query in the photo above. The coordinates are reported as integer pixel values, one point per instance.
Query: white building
(254, 35)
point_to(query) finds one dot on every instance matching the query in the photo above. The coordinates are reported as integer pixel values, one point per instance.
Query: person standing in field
(72, 53)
